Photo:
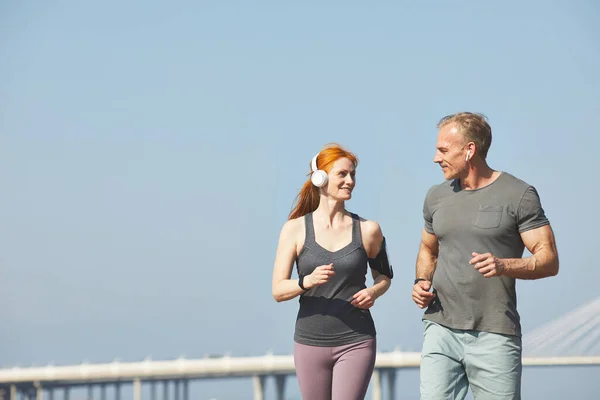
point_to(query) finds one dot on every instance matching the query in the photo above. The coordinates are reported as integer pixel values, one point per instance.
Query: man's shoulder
(513, 183)
(441, 188)
(512, 179)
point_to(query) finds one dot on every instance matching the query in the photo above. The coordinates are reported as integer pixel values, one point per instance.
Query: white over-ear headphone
(318, 177)
(468, 154)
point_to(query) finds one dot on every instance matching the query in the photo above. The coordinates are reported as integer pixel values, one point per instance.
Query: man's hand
(364, 299)
(487, 264)
(421, 294)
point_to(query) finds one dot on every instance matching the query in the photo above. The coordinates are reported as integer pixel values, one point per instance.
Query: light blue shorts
(453, 359)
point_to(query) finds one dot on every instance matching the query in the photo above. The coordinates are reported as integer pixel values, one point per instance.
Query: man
(477, 224)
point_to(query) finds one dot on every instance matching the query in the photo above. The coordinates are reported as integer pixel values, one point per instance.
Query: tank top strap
(356, 232)
(309, 228)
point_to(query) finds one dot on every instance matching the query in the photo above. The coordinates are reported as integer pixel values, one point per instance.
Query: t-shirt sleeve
(427, 215)
(530, 214)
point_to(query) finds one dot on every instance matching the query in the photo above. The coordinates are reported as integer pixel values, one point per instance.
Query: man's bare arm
(426, 263)
(543, 261)
(544, 256)
(427, 257)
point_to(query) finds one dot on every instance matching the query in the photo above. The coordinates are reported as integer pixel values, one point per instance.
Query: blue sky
(151, 153)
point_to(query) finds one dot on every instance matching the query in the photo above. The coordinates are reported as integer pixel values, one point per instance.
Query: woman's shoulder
(293, 226)
(369, 228)
(372, 236)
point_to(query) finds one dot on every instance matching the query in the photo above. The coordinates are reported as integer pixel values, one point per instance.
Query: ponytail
(307, 200)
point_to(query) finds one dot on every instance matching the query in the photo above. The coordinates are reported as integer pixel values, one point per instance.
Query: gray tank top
(326, 317)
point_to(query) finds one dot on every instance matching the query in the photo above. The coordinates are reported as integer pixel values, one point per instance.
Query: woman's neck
(331, 211)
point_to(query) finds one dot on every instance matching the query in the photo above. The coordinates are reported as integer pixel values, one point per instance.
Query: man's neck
(479, 175)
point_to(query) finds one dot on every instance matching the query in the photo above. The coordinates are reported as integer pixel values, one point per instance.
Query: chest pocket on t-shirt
(488, 217)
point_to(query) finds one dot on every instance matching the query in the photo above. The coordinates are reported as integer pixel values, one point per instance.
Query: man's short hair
(474, 128)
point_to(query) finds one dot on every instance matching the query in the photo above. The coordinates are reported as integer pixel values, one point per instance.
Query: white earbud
(318, 177)
(468, 154)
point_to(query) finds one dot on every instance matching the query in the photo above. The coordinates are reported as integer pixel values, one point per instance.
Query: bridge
(572, 339)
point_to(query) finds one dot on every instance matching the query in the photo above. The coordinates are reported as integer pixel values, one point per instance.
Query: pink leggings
(335, 373)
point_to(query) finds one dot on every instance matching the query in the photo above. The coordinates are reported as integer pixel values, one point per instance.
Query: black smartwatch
(420, 279)
(301, 282)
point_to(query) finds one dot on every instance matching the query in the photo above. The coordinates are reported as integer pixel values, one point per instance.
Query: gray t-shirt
(489, 219)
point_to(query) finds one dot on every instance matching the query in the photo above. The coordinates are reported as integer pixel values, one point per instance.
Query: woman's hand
(364, 299)
(319, 276)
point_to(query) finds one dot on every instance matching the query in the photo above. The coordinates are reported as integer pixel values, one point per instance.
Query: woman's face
(341, 179)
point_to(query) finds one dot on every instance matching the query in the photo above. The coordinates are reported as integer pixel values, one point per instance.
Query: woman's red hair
(308, 199)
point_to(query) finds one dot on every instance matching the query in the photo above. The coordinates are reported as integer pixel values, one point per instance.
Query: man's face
(451, 151)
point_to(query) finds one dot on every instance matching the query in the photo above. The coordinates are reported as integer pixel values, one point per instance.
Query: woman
(334, 339)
